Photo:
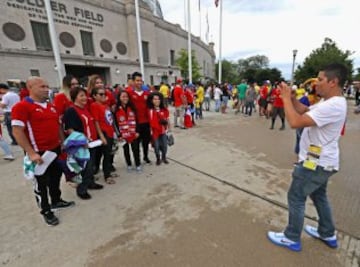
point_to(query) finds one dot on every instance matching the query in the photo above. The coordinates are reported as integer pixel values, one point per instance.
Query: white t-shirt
(10, 99)
(217, 93)
(329, 116)
(208, 92)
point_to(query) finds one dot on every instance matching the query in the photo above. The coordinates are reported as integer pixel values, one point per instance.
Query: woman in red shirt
(78, 118)
(62, 100)
(159, 124)
(126, 120)
(104, 126)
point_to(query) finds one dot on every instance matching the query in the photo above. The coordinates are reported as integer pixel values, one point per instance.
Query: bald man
(36, 129)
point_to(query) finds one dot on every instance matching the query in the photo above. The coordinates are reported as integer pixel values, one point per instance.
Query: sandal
(109, 180)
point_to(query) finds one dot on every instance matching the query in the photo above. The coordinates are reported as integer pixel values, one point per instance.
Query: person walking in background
(165, 91)
(9, 99)
(200, 96)
(5, 147)
(241, 89)
(24, 92)
(126, 120)
(250, 99)
(224, 98)
(217, 97)
(160, 124)
(208, 97)
(37, 129)
(278, 107)
(180, 104)
(318, 157)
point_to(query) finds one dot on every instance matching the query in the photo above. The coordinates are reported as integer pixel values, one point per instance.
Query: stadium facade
(94, 36)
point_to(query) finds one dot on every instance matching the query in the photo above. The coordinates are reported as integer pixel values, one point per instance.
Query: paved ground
(212, 206)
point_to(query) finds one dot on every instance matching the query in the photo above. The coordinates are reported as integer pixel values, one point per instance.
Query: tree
(320, 57)
(255, 62)
(183, 63)
(228, 71)
(356, 77)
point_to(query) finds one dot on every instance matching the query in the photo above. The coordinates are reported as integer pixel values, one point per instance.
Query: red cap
(179, 80)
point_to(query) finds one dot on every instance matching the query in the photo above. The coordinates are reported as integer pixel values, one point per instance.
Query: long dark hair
(129, 104)
(150, 100)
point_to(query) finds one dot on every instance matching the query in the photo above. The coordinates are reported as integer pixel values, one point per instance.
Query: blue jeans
(160, 145)
(309, 183)
(5, 146)
(217, 105)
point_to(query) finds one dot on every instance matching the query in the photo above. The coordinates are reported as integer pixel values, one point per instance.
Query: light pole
(293, 66)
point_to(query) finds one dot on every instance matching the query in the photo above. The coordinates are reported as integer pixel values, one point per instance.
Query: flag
(216, 3)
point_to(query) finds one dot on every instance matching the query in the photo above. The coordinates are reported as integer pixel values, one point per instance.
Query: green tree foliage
(320, 57)
(356, 77)
(183, 63)
(253, 69)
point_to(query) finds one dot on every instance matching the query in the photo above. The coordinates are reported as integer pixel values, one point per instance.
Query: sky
(273, 28)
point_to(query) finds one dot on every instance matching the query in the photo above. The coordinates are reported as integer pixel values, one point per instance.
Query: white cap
(294, 87)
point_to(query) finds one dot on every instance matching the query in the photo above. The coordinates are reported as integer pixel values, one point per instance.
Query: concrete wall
(110, 20)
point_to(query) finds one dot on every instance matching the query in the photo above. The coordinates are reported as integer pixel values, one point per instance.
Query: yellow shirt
(300, 93)
(200, 94)
(197, 103)
(164, 90)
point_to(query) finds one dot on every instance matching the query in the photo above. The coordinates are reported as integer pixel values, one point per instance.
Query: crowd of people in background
(97, 119)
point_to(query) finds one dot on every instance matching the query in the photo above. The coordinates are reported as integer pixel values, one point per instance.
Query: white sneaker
(138, 169)
(281, 240)
(8, 157)
(129, 168)
(313, 232)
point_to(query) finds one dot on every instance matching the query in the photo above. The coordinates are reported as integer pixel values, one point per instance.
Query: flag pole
(54, 42)
(220, 43)
(138, 29)
(199, 19)
(189, 42)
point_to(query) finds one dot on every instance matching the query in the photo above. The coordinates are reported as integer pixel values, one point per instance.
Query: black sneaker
(62, 204)
(158, 162)
(112, 168)
(95, 186)
(165, 161)
(84, 196)
(147, 161)
(50, 218)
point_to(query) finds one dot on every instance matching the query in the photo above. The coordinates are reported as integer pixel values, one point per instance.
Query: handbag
(170, 138)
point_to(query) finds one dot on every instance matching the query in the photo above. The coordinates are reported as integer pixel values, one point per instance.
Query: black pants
(48, 182)
(144, 131)
(7, 120)
(104, 152)
(249, 107)
(135, 147)
(88, 173)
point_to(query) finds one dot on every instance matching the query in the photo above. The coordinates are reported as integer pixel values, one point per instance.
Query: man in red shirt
(179, 103)
(278, 108)
(36, 128)
(24, 92)
(139, 99)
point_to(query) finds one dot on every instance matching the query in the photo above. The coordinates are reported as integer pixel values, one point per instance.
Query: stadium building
(94, 36)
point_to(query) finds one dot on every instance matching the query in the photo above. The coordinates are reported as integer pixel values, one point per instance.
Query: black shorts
(276, 111)
(262, 102)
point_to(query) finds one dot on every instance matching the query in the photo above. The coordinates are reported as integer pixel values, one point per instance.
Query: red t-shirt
(156, 116)
(61, 103)
(178, 96)
(103, 115)
(87, 122)
(263, 92)
(189, 97)
(110, 99)
(24, 92)
(277, 100)
(41, 123)
(140, 102)
(126, 120)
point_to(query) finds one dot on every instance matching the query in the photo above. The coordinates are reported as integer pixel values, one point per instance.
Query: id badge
(312, 157)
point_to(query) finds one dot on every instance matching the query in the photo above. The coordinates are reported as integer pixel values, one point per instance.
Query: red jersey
(277, 100)
(140, 102)
(103, 115)
(189, 97)
(178, 96)
(88, 123)
(126, 120)
(24, 92)
(156, 115)
(263, 92)
(110, 99)
(61, 103)
(41, 123)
